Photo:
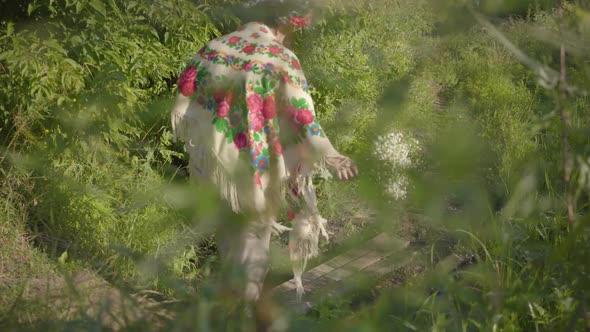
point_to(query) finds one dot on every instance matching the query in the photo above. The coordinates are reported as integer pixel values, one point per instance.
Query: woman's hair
(273, 12)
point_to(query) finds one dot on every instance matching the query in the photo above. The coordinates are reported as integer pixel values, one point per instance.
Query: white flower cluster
(397, 187)
(396, 150)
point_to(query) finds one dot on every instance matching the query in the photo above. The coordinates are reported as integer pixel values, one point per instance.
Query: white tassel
(304, 245)
(203, 162)
(278, 229)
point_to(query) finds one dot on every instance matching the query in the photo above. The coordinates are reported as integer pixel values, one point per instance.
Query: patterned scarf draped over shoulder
(247, 119)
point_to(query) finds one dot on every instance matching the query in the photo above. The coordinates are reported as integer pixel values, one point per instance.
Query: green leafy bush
(88, 166)
(86, 87)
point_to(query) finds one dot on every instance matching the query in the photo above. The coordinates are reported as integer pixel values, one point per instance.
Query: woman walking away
(248, 123)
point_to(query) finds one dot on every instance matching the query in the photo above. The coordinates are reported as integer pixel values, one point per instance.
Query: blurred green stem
(564, 132)
(564, 141)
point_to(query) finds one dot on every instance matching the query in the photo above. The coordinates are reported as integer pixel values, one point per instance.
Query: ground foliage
(91, 178)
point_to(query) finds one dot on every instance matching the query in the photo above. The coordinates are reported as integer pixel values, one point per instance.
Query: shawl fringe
(203, 162)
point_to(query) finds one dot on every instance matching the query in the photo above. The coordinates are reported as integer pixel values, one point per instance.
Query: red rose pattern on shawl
(249, 49)
(186, 82)
(255, 103)
(234, 39)
(256, 121)
(224, 101)
(275, 50)
(223, 109)
(304, 117)
(241, 141)
(269, 108)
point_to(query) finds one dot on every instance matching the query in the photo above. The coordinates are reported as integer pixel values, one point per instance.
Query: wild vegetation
(469, 120)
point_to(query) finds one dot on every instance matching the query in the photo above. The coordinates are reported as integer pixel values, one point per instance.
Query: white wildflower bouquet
(399, 152)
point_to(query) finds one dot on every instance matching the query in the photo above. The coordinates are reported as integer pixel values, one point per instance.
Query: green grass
(92, 182)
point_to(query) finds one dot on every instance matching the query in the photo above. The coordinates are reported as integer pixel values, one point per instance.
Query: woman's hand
(343, 166)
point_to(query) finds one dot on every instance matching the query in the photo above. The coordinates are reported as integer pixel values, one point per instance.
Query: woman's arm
(309, 134)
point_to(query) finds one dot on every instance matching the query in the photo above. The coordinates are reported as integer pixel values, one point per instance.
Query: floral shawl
(248, 121)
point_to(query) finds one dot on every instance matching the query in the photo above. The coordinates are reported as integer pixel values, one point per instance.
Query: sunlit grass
(91, 180)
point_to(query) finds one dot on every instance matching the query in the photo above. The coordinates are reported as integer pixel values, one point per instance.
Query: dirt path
(62, 299)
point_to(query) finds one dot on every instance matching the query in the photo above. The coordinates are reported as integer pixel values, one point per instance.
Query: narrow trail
(353, 268)
(380, 255)
(359, 273)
